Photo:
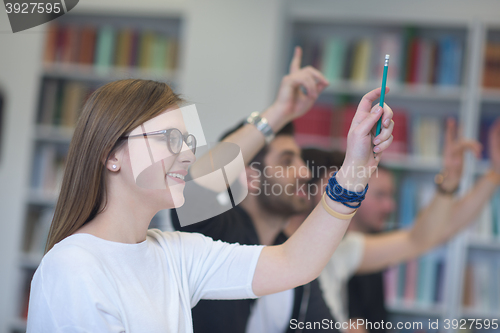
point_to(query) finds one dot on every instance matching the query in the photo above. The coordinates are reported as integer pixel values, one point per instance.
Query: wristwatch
(439, 179)
(262, 125)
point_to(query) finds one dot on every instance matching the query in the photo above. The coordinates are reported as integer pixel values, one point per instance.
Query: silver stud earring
(114, 166)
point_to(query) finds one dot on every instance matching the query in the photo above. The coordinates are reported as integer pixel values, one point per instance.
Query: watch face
(254, 118)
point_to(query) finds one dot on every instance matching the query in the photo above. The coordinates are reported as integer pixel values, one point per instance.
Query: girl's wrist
(352, 178)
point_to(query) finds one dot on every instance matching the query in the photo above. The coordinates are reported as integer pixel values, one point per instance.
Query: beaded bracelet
(337, 193)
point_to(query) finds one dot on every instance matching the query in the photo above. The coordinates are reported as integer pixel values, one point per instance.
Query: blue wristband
(339, 194)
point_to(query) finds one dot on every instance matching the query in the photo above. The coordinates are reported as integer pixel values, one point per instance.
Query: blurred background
(228, 58)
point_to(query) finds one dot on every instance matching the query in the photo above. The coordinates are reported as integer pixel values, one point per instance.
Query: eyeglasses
(174, 139)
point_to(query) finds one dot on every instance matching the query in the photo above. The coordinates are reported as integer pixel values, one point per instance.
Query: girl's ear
(113, 163)
(115, 160)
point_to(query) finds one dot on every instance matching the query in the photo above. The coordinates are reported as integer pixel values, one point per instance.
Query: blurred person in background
(366, 250)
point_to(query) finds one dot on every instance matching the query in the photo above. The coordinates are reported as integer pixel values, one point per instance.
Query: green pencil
(382, 94)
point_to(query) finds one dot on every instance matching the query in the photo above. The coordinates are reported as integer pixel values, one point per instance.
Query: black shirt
(366, 298)
(220, 316)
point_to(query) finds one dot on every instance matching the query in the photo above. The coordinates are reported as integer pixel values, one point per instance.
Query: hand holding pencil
(382, 98)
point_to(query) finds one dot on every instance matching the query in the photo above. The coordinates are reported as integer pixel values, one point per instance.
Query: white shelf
(479, 243)
(412, 163)
(417, 92)
(54, 134)
(490, 95)
(171, 8)
(415, 309)
(93, 73)
(40, 198)
(470, 313)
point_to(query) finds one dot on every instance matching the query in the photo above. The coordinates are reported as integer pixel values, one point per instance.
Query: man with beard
(276, 180)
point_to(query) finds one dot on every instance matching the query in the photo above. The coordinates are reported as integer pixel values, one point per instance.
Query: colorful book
(159, 55)
(491, 74)
(315, 127)
(123, 52)
(390, 43)
(49, 55)
(70, 49)
(411, 281)
(48, 105)
(449, 61)
(73, 94)
(423, 65)
(106, 38)
(399, 144)
(173, 53)
(333, 59)
(362, 54)
(134, 49)
(87, 46)
(146, 49)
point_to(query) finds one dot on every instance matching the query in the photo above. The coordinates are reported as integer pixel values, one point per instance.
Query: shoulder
(194, 244)
(71, 264)
(177, 237)
(69, 254)
(174, 241)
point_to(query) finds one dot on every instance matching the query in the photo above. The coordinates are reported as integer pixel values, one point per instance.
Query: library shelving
(481, 267)
(81, 53)
(436, 70)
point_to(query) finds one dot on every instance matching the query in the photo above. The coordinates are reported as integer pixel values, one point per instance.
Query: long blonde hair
(110, 112)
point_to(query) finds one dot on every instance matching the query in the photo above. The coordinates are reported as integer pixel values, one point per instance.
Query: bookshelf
(81, 53)
(268, 40)
(481, 271)
(438, 64)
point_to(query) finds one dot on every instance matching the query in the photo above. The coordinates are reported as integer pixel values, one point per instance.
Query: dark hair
(321, 162)
(288, 129)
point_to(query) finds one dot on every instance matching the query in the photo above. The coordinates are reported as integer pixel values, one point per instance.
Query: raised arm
(303, 256)
(468, 208)
(291, 102)
(443, 218)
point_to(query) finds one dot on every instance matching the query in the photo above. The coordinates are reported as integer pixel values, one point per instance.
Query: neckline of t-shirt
(140, 245)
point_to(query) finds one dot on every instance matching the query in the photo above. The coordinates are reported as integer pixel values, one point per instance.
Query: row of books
(482, 283)
(106, 47)
(62, 101)
(418, 281)
(485, 125)
(487, 226)
(327, 126)
(491, 73)
(413, 59)
(48, 170)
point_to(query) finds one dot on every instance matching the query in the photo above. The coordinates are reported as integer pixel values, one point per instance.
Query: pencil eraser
(386, 57)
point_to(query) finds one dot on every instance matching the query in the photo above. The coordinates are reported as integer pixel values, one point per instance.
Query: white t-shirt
(88, 284)
(272, 313)
(340, 268)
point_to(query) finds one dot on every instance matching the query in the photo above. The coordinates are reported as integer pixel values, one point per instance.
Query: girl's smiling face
(152, 165)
